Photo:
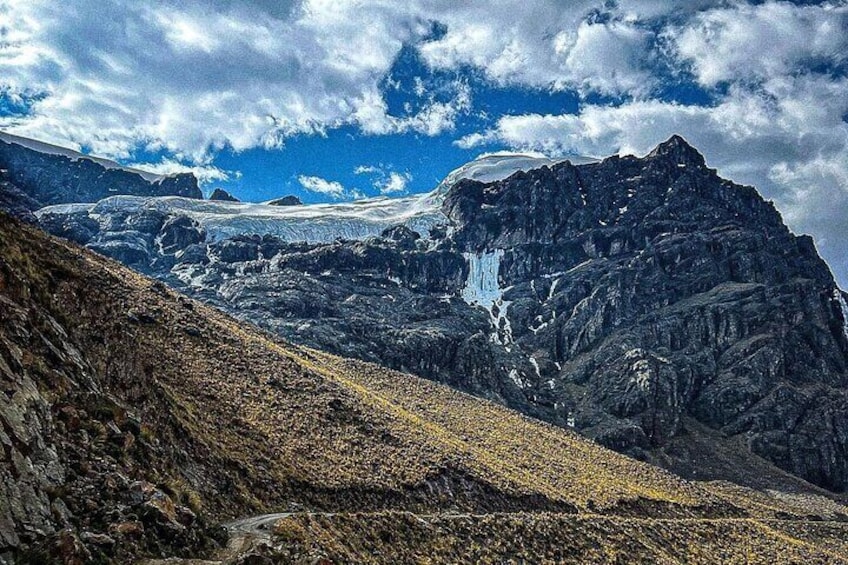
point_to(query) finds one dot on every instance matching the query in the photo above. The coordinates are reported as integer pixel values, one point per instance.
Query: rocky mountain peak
(290, 200)
(679, 151)
(222, 195)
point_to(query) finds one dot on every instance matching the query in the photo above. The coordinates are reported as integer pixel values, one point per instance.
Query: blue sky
(363, 164)
(336, 100)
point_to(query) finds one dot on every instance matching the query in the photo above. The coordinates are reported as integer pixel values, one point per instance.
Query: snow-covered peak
(491, 167)
(50, 149)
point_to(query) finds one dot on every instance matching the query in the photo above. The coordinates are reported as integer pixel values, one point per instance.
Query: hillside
(135, 419)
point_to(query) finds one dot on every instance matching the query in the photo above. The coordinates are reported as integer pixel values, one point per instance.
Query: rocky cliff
(641, 301)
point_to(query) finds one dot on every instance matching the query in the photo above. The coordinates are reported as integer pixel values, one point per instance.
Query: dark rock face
(289, 200)
(15, 201)
(221, 194)
(55, 179)
(624, 298)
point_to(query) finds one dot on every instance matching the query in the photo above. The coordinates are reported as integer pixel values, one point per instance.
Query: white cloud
(366, 170)
(745, 43)
(386, 181)
(395, 183)
(434, 118)
(187, 77)
(322, 186)
(548, 45)
(196, 76)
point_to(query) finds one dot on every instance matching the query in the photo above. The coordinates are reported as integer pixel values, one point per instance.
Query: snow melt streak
(481, 289)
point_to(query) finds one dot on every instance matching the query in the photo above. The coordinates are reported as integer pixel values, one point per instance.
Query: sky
(337, 100)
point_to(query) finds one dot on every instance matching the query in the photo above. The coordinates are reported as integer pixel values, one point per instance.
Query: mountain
(135, 420)
(221, 194)
(646, 302)
(289, 200)
(48, 174)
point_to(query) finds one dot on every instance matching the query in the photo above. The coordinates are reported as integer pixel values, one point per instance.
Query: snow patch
(542, 325)
(513, 374)
(844, 307)
(491, 167)
(552, 289)
(535, 366)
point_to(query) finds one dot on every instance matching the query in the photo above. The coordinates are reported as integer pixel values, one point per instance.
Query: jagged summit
(677, 149)
(222, 195)
(289, 200)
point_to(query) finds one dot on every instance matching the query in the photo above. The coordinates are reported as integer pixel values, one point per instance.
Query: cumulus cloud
(749, 43)
(395, 183)
(193, 77)
(189, 78)
(322, 186)
(546, 44)
(384, 180)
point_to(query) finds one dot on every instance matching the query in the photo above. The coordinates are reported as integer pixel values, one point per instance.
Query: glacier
(312, 223)
(316, 223)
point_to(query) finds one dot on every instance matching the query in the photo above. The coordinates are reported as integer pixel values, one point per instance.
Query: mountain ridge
(48, 174)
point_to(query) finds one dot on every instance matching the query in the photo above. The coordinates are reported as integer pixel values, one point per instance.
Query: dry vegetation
(555, 538)
(241, 423)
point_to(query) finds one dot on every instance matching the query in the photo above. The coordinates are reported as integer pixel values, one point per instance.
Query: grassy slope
(243, 423)
(556, 538)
